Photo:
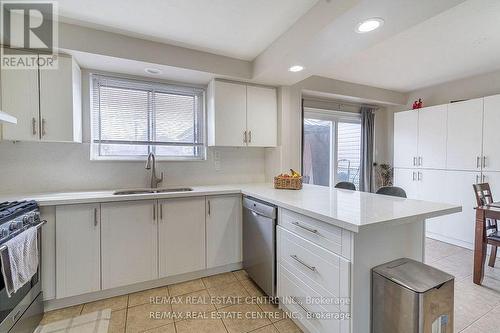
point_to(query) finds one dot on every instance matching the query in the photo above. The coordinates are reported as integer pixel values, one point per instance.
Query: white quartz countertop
(350, 210)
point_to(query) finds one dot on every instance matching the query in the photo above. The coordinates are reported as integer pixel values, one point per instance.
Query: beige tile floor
(477, 308)
(150, 311)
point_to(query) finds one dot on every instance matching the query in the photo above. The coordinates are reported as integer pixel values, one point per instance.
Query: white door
(464, 142)
(59, 109)
(228, 120)
(457, 189)
(432, 137)
(20, 99)
(491, 133)
(407, 180)
(430, 184)
(224, 230)
(129, 243)
(262, 116)
(405, 139)
(181, 236)
(78, 255)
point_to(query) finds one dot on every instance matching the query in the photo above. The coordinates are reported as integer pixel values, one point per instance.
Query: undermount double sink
(152, 190)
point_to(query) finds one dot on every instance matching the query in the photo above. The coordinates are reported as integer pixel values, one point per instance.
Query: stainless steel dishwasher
(259, 243)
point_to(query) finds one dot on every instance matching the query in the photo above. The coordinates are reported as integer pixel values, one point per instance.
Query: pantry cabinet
(465, 135)
(491, 133)
(129, 241)
(224, 230)
(78, 250)
(432, 124)
(241, 115)
(405, 139)
(47, 102)
(181, 234)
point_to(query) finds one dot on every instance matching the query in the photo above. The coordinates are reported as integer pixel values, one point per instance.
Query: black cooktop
(12, 209)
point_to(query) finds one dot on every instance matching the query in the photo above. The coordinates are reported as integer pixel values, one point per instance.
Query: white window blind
(132, 118)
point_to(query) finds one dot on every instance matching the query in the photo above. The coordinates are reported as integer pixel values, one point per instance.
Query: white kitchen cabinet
(464, 142)
(405, 139)
(181, 236)
(491, 133)
(407, 180)
(432, 123)
(224, 230)
(227, 112)
(20, 99)
(78, 255)
(129, 240)
(241, 115)
(262, 116)
(46, 102)
(60, 102)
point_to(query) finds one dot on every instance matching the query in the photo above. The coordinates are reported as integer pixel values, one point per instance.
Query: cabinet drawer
(304, 303)
(312, 262)
(328, 236)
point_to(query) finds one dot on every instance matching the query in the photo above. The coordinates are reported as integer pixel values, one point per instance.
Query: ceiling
(460, 42)
(236, 28)
(422, 43)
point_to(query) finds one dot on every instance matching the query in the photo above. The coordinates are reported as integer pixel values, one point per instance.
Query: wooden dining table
(489, 211)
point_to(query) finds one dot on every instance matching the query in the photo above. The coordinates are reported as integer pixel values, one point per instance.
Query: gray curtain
(366, 168)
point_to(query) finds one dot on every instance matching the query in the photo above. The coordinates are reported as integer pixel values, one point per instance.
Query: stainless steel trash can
(411, 297)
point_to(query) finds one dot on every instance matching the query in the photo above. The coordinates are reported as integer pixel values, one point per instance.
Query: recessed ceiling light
(369, 25)
(153, 71)
(295, 68)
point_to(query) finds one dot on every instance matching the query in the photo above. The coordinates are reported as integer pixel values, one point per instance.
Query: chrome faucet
(151, 165)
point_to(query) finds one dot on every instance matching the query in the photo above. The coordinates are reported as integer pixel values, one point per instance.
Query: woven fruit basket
(288, 183)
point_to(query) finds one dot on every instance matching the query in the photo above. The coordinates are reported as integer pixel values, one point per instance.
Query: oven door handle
(38, 226)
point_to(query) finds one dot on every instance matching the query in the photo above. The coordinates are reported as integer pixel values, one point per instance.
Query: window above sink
(132, 118)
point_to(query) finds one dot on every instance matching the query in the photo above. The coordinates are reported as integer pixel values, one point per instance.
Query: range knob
(26, 220)
(15, 225)
(4, 233)
(36, 217)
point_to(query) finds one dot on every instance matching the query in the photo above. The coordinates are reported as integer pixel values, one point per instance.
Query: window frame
(155, 86)
(335, 117)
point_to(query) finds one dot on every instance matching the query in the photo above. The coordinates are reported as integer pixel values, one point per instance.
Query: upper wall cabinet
(46, 102)
(465, 135)
(241, 115)
(432, 137)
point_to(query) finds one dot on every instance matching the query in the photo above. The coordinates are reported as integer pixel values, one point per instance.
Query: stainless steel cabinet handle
(420, 160)
(419, 176)
(483, 177)
(312, 268)
(43, 127)
(245, 137)
(414, 176)
(209, 208)
(314, 231)
(95, 217)
(33, 125)
(484, 161)
(299, 303)
(250, 136)
(415, 161)
(161, 212)
(478, 159)
(154, 212)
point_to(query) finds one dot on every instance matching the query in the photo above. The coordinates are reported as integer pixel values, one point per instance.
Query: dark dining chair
(346, 186)
(485, 197)
(392, 191)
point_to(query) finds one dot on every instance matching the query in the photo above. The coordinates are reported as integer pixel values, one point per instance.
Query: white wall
(30, 167)
(468, 88)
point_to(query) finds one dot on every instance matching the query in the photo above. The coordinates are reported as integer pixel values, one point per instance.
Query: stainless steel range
(21, 312)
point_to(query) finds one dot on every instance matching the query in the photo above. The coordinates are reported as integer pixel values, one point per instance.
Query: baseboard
(98, 295)
(450, 240)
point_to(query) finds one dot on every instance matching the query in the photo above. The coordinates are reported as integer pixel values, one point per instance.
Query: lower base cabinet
(224, 230)
(181, 234)
(129, 241)
(78, 255)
